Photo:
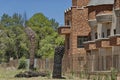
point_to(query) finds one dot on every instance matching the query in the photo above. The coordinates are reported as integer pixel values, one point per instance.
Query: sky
(50, 8)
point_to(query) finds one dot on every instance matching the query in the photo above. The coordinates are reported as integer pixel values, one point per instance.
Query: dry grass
(9, 73)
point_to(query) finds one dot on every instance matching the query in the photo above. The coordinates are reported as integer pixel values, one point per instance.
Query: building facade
(103, 51)
(76, 31)
(92, 36)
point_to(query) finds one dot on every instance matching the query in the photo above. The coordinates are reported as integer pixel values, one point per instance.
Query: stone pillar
(92, 33)
(57, 69)
(93, 25)
(117, 13)
(99, 30)
(117, 22)
(113, 24)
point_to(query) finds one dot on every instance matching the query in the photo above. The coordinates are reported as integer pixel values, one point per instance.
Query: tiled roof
(100, 2)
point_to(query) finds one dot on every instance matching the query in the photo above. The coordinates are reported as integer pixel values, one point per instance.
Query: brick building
(76, 31)
(92, 36)
(103, 51)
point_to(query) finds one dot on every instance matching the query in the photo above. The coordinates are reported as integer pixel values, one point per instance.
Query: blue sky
(50, 8)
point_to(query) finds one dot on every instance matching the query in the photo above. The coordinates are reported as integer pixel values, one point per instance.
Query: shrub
(113, 74)
(22, 63)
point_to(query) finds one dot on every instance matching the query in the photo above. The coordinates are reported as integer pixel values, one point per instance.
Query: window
(108, 32)
(68, 22)
(96, 36)
(114, 31)
(103, 35)
(68, 43)
(80, 40)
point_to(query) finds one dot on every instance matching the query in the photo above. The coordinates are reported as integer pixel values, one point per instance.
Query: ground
(9, 73)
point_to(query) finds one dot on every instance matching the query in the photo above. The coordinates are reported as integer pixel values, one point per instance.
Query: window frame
(80, 40)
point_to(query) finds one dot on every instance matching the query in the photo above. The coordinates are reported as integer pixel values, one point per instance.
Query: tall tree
(17, 20)
(46, 34)
(54, 24)
(14, 20)
(6, 20)
(39, 20)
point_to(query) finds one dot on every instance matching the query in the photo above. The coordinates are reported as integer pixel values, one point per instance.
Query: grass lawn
(9, 73)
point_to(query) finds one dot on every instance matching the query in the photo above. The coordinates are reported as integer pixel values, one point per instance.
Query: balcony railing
(115, 40)
(103, 42)
(64, 30)
(102, 18)
(89, 45)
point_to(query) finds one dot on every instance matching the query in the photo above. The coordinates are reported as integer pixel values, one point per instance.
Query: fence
(40, 64)
(72, 64)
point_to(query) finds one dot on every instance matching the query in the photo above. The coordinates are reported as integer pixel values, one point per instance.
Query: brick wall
(95, 10)
(79, 27)
(80, 22)
(78, 17)
(67, 16)
(91, 12)
(79, 3)
(117, 4)
(104, 9)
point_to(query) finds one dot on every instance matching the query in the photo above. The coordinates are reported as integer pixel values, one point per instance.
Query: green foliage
(47, 37)
(15, 20)
(22, 63)
(54, 24)
(13, 40)
(15, 43)
(113, 74)
(38, 20)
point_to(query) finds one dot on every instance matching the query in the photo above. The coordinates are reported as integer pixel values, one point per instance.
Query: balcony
(104, 42)
(103, 18)
(117, 12)
(92, 23)
(89, 45)
(63, 30)
(115, 40)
